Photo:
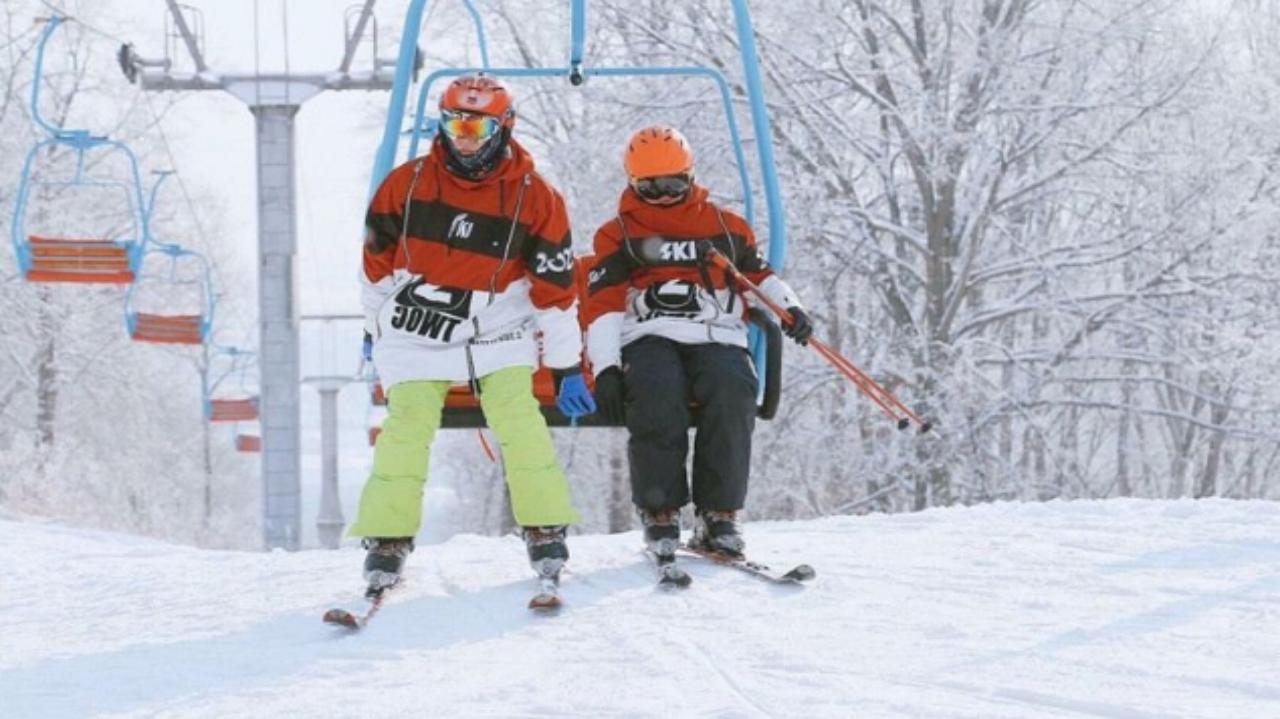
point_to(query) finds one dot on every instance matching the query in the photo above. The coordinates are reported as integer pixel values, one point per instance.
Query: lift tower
(274, 100)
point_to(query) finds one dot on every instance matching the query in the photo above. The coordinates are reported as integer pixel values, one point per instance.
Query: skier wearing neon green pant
(468, 253)
(391, 503)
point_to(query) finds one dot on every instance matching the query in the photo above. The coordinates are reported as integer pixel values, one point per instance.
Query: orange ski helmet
(476, 106)
(658, 151)
(482, 95)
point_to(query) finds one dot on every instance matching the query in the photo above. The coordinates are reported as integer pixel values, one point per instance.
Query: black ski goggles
(657, 188)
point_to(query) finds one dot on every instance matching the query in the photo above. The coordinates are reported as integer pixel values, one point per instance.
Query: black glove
(366, 347)
(610, 395)
(800, 328)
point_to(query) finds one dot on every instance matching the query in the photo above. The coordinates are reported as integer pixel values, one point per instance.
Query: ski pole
(882, 397)
(870, 387)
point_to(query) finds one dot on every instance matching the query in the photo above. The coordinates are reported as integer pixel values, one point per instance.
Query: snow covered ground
(1085, 609)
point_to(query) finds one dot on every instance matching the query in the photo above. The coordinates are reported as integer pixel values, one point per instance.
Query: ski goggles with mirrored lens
(656, 188)
(462, 124)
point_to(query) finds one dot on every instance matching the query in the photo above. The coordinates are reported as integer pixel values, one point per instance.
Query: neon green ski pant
(391, 503)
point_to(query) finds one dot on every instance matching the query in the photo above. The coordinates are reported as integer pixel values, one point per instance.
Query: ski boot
(662, 539)
(661, 531)
(547, 550)
(384, 561)
(547, 555)
(718, 532)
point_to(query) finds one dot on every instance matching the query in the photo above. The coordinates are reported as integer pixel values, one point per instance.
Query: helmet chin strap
(482, 162)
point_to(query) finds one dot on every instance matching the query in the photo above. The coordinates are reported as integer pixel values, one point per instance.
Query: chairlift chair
(85, 257)
(172, 327)
(461, 406)
(168, 270)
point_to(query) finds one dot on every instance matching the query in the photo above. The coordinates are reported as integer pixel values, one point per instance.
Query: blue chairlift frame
(82, 142)
(576, 72)
(241, 361)
(176, 253)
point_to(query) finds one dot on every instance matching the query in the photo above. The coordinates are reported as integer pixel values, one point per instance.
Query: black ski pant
(661, 377)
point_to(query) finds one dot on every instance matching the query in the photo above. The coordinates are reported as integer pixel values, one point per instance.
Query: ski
(795, 575)
(354, 621)
(547, 600)
(670, 575)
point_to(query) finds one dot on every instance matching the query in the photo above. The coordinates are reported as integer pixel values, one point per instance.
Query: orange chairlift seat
(244, 409)
(376, 412)
(168, 329)
(85, 261)
(248, 443)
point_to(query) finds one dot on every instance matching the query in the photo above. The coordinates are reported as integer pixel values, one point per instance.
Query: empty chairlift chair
(48, 244)
(228, 396)
(171, 301)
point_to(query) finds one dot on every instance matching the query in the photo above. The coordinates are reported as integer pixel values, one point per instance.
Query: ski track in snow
(1127, 609)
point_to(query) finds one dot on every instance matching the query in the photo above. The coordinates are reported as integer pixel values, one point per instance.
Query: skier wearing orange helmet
(468, 253)
(662, 329)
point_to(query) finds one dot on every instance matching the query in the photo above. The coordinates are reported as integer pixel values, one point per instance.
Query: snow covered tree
(94, 428)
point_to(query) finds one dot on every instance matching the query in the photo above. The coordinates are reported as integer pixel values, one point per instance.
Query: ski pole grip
(717, 258)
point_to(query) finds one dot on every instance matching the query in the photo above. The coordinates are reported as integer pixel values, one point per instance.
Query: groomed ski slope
(1083, 609)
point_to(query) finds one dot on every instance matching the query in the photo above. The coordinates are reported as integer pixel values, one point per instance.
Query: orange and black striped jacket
(450, 262)
(646, 277)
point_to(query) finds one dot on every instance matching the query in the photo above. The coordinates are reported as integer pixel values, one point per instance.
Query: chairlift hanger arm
(353, 42)
(187, 37)
(51, 27)
(155, 189)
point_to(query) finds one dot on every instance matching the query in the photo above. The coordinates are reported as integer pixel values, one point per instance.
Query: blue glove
(572, 398)
(367, 347)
